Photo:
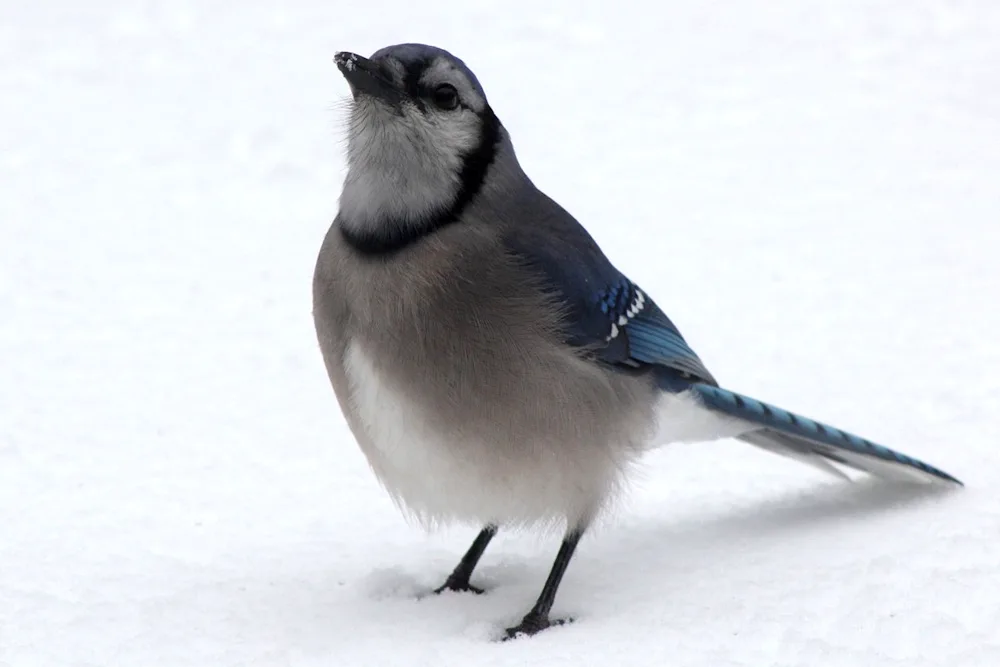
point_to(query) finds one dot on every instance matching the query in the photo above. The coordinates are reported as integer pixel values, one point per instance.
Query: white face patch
(405, 163)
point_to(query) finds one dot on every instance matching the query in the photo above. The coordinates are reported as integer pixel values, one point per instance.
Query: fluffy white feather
(436, 479)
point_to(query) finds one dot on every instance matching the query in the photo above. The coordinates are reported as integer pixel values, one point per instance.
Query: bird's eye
(445, 97)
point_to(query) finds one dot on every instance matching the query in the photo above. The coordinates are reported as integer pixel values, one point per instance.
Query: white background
(809, 189)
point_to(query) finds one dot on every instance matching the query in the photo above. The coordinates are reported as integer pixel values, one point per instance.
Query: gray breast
(462, 394)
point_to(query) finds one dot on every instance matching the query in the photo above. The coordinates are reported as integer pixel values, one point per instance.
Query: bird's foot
(458, 586)
(531, 625)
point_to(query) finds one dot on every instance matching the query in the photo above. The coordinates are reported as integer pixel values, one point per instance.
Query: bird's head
(421, 140)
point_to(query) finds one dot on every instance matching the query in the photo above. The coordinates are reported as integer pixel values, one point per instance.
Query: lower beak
(365, 78)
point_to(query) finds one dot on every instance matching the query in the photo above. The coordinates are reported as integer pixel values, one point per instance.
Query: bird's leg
(538, 619)
(458, 580)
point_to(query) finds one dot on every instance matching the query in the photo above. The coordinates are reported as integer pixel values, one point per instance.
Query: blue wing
(605, 311)
(608, 314)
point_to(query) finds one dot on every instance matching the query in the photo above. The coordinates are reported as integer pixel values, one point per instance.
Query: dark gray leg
(458, 580)
(538, 619)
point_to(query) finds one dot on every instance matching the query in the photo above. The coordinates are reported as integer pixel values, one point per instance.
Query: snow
(809, 189)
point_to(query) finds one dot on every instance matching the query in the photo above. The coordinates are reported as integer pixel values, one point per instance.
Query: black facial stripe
(417, 91)
(477, 163)
(396, 235)
(411, 81)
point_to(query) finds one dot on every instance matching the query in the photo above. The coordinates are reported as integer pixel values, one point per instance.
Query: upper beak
(365, 77)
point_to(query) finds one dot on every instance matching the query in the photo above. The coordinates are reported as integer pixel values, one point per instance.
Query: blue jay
(493, 365)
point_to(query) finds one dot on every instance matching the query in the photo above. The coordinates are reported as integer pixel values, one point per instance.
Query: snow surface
(809, 189)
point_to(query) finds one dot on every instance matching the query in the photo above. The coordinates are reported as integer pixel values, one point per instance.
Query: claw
(531, 625)
(459, 587)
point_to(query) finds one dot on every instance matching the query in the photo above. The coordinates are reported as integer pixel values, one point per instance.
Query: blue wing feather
(611, 317)
(605, 311)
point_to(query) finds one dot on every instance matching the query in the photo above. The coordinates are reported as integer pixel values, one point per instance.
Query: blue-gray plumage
(492, 363)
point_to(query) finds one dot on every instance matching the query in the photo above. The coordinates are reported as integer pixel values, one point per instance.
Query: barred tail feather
(813, 442)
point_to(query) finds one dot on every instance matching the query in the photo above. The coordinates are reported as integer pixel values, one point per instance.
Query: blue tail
(786, 433)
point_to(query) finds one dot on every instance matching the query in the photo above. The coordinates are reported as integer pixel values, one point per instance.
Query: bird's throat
(378, 219)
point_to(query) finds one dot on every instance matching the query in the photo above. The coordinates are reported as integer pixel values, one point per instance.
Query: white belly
(437, 478)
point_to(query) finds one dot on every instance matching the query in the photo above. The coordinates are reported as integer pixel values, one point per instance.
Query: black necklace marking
(396, 235)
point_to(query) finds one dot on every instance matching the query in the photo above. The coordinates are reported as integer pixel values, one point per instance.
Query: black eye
(445, 97)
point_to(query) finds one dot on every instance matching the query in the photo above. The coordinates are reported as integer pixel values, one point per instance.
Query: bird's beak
(365, 78)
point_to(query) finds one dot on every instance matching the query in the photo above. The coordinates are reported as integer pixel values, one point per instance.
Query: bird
(494, 366)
